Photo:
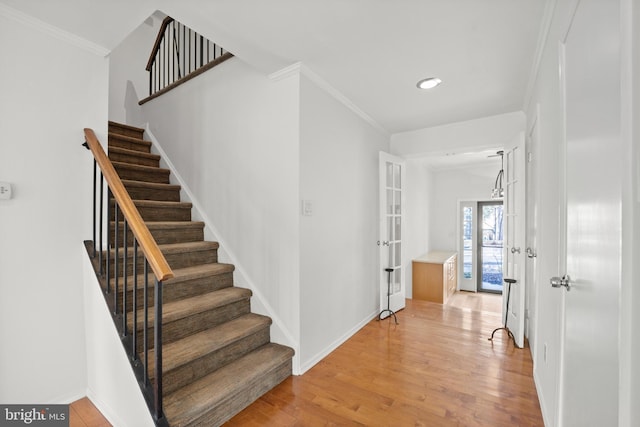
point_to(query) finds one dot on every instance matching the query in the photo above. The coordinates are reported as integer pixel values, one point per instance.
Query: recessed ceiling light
(429, 83)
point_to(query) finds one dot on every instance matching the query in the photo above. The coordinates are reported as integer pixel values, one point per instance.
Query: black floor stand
(506, 314)
(391, 313)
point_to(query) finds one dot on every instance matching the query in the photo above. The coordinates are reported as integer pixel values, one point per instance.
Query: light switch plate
(5, 191)
(307, 208)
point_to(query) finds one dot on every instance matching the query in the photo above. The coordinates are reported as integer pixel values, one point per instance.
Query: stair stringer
(280, 334)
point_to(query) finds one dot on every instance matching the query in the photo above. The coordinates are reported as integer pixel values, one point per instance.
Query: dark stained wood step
(165, 232)
(126, 130)
(215, 398)
(141, 190)
(195, 356)
(187, 282)
(142, 173)
(178, 255)
(117, 154)
(189, 316)
(129, 143)
(152, 210)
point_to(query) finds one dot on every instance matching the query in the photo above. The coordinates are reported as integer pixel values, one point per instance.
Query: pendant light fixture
(498, 191)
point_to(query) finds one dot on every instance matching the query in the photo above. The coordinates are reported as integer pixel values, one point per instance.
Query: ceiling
(372, 51)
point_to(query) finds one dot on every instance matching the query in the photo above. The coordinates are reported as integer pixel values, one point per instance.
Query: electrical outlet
(544, 352)
(5, 191)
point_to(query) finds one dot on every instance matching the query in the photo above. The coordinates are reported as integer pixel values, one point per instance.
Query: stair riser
(218, 415)
(181, 328)
(162, 195)
(136, 160)
(176, 291)
(161, 213)
(160, 176)
(164, 236)
(114, 141)
(175, 260)
(197, 369)
(122, 130)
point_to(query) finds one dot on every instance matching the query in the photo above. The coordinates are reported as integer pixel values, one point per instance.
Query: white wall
(338, 253)
(111, 383)
(450, 186)
(231, 136)
(471, 135)
(52, 86)
(419, 209)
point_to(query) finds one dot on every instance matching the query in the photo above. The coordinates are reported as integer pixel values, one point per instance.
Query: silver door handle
(531, 253)
(514, 250)
(384, 243)
(564, 281)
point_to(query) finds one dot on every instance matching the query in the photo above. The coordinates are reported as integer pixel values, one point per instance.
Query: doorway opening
(490, 244)
(481, 245)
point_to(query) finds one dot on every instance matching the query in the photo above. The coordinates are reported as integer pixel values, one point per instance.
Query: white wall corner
(52, 31)
(301, 69)
(282, 334)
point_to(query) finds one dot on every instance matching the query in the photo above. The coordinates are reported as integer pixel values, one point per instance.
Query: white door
(531, 296)
(589, 370)
(392, 181)
(514, 235)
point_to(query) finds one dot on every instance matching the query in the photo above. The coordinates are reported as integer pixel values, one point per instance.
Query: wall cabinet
(435, 276)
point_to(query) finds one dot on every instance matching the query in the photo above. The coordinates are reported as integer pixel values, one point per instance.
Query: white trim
(337, 343)
(106, 410)
(543, 35)
(301, 69)
(58, 33)
(211, 230)
(543, 408)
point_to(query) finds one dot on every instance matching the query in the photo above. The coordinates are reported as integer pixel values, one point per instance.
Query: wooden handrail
(147, 243)
(159, 38)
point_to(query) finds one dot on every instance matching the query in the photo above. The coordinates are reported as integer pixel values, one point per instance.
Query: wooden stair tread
(125, 126)
(184, 406)
(185, 350)
(175, 310)
(128, 138)
(150, 185)
(133, 166)
(177, 248)
(136, 153)
(186, 273)
(160, 204)
(164, 225)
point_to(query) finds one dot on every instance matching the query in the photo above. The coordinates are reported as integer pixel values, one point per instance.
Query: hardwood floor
(436, 368)
(477, 301)
(82, 413)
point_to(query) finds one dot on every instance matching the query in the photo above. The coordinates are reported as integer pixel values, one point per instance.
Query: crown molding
(60, 34)
(300, 69)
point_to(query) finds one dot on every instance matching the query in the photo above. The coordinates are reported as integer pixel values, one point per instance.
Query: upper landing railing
(178, 55)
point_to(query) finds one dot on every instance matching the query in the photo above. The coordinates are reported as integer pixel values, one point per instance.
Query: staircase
(217, 355)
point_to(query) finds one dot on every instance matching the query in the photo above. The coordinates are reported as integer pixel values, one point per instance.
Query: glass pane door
(490, 242)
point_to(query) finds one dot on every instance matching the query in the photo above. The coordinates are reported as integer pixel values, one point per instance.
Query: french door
(392, 181)
(490, 240)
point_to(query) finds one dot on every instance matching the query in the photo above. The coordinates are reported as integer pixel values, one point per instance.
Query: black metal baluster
(101, 222)
(201, 51)
(157, 341)
(95, 172)
(124, 277)
(145, 321)
(115, 258)
(189, 50)
(108, 261)
(134, 302)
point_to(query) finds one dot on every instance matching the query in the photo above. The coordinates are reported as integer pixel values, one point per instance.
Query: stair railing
(133, 228)
(178, 55)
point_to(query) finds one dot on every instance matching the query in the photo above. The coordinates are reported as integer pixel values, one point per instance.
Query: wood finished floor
(436, 368)
(82, 413)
